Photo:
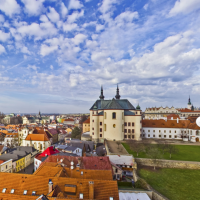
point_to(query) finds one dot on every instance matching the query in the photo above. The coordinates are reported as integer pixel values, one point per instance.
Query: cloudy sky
(55, 55)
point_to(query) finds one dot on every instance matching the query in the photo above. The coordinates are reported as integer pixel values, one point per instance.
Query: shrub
(141, 183)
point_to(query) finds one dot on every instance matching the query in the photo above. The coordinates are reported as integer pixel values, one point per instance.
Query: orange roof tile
(37, 137)
(87, 121)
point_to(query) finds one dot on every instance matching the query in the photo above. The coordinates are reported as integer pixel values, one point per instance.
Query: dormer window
(34, 193)
(81, 173)
(25, 192)
(111, 198)
(12, 191)
(4, 190)
(81, 196)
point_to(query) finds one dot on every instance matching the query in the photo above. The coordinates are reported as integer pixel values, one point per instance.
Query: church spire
(117, 96)
(101, 96)
(189, 102)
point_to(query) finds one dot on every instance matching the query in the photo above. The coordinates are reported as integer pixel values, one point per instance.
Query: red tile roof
(49, 151)
(173, 115)
(87, 121)
(188, 110)
(37, 137)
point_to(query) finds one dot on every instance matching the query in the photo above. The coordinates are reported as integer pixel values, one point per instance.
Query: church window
(104, 127)
(129, 124)
(92, 128)
(114, 115)
(165, 136)
(159, 135)
(114, 125)
(93, 133)
(132, 123)
(105, 115)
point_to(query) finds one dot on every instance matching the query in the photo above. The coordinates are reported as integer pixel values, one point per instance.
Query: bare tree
(118, 143)
(155, 154)
(163, 146)
(172, 150)
(136, 146)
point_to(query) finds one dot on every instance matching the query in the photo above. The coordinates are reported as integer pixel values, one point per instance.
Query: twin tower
(117, 96)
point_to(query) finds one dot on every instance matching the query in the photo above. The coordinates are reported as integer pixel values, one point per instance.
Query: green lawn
(185, 152)
(175, 184)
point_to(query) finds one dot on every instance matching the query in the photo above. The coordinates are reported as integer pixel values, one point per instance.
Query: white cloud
(53, 15)
(2, 49)
(44, 18)
(74, 16)
(79, 38)
(51, 67)
(184, 6)
(107, 5)
(75, 4)
(64, 10)
(33, 67)
(24, 49)
(4, 36)
(69, 27)
(9, 7)
(146, 6)
(45, 50)
(99, 27)
(33, 7)
(127, 16)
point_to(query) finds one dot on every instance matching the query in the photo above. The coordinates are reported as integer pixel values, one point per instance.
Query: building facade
(115, 119)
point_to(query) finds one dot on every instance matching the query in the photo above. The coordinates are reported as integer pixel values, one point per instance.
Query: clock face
(198, 121)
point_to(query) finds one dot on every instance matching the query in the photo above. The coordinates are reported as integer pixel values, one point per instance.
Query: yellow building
(115, 119)
(69, 130)
(86, 125)
(20, 164)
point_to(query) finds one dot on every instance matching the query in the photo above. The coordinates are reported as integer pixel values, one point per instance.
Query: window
(92, 128)
(129, 123)
(143, 135)
(25, 192)
(114, 115)
(132, 136)
(136, 113)
(114, 125)
(133, 130)
(34, 193)
(143, 130)
(81, 196)
(170, 136)
(104, 127)
(125, 130)
(92, 133)
(129, 130)
(165, 136)
(175, 136)
(100, 129)
(133, 124)
(12, 191)
(6, 166)
(105, 115)
(4, 190)
(164, 131)
(174, 131)
(154, 131)
(148, 135)
(93, 112)
(129, 136)
(148, 130)
(154, 136)
(125, 123)
(125, 136)
(100, 135)
(100, 123)
(159, 135)
(159, 131)
(169, 131)
(92, 120)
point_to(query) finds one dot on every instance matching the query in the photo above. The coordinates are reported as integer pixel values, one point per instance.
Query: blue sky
(55, 55)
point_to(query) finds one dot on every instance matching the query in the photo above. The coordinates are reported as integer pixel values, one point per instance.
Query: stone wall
(169, 163)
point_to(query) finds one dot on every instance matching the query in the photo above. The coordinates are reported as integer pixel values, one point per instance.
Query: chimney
(50, 185)
(91, 190)
(177, 120)
(79, 161)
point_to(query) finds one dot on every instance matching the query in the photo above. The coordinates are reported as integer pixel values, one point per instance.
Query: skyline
(55, 55)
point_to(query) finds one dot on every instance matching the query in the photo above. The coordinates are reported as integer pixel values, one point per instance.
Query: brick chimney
(91, 190)
(50, 185)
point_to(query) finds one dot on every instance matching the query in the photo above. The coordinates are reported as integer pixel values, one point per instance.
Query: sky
(56, 54)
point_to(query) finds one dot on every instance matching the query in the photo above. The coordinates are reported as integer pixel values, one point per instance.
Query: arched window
(114, 115)
(105, 115)
(104, 127)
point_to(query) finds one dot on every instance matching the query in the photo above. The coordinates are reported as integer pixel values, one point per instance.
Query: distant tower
(101, 96)
(117, 96)
(189, 104)
(39, 116)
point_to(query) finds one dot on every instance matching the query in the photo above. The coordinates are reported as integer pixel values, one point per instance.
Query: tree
(118, 143)
(172, 150)
(163, 146)
(83, 118)
(137, 146)
(76, 133)
(155, 155)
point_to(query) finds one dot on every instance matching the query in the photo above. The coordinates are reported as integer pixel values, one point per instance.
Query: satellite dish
(198, 121)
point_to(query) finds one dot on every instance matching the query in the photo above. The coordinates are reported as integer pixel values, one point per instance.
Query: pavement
(28, 170)
(113, 148)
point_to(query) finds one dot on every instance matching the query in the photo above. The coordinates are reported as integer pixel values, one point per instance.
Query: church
(115, 119)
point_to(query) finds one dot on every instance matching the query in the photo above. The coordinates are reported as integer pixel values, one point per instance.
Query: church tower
(189, 104)
(101, 96)
(117, 96)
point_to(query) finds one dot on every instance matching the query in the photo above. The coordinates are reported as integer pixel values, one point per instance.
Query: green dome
(138, 107)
